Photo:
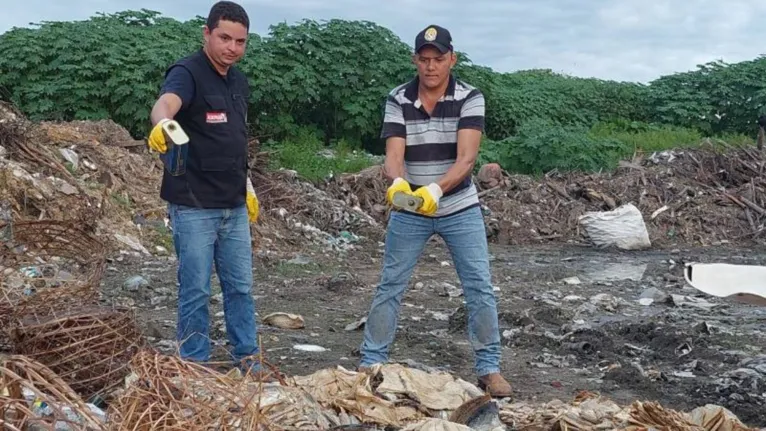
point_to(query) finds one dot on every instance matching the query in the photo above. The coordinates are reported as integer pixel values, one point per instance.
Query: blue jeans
(466, 239)
(203, 238)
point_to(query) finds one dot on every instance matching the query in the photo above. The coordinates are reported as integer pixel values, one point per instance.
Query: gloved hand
(253, 207)
(157, 137)
(431, 195)
(399, 185)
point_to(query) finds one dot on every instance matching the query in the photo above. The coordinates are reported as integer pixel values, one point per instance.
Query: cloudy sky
(631, 40)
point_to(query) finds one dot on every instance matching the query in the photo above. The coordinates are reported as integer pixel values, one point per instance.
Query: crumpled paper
(435, 391)
(434, 424)
(351, 392)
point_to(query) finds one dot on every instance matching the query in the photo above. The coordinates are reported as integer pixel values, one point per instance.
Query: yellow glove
(399, 185)
(157, 137)
(431, 195)
(253, 207)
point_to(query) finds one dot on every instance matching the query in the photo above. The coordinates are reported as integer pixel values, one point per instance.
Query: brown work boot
(495, 385)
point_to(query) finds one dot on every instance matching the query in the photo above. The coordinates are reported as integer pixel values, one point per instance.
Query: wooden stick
(753, 206)
(735, 200)
(750, 220)
(480, 194)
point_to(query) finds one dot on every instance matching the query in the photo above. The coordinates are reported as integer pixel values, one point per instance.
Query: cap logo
(430, 34)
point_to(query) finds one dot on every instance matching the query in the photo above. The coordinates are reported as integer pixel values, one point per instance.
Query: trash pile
(164, 392)
(65, 346)
(699, 196)
(85, 172)
(589, 411)
(94, 173)
(307, 212)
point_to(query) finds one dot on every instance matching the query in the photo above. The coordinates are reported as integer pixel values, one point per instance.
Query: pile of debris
(313, 214)
(164, 392)
(701, 196)
(95, 173)
(50, 307)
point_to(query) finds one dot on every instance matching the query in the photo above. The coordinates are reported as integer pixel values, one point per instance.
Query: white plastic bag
(622, 227)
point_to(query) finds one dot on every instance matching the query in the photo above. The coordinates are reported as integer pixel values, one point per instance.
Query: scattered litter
(450, 290)
(606, 301)
(653, 295)
(133, 284)
(309, 348)
(690, 301)
(439, 316)
(356, 325)
(131, 242)
(616, 272)
(285, 320)
(572, 281)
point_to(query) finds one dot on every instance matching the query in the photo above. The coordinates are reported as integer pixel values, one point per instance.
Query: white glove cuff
(250, 188)
(397, 181)
(435, 190)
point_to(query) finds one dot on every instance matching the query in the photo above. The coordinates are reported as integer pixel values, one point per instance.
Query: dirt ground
(569, 316)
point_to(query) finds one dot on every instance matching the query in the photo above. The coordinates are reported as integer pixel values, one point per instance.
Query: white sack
(623, 228)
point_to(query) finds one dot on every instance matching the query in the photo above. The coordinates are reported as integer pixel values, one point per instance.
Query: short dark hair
(229, 11)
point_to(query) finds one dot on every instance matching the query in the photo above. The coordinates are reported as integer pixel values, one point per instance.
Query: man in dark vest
(206, 184)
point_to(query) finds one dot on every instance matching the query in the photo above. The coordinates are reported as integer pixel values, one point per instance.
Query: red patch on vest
(216, 117)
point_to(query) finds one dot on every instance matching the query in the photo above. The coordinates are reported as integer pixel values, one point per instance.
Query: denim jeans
(465, 236)
(204, 238)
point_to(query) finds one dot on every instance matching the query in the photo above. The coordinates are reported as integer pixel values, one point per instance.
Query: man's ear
(205, 32)
(454, 59)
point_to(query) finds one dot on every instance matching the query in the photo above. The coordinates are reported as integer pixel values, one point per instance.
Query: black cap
(436, 36)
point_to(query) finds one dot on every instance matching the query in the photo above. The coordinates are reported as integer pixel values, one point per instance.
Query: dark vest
(216, 164)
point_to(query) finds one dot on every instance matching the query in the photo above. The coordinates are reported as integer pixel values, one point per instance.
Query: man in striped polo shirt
(432, 127)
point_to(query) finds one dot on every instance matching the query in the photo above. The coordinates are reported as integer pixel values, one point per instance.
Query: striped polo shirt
(431, 140)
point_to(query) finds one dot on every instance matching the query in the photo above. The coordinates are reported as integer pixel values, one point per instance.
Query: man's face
(433, 66)
(226, 43)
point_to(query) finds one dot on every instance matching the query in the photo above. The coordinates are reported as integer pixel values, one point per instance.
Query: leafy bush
(647, 138)
(330, 79)
(107, 67)
(307, 155)
(541, 146)
(716, 98)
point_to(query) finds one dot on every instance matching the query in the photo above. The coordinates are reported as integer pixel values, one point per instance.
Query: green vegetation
(322, 85)
(307, 154)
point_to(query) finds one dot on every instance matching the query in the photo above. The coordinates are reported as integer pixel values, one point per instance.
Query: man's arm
(394, 165)
(176, 93)
(470, 128)
(167, 106)
(395, 133)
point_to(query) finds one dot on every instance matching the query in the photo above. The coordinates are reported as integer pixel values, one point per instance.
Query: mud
(560, 334)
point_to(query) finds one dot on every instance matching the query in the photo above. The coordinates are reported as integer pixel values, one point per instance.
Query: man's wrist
(435, 190)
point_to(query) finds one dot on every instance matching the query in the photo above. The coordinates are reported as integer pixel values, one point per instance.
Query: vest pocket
(240, 105)
(217, 112)
(218, 164)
